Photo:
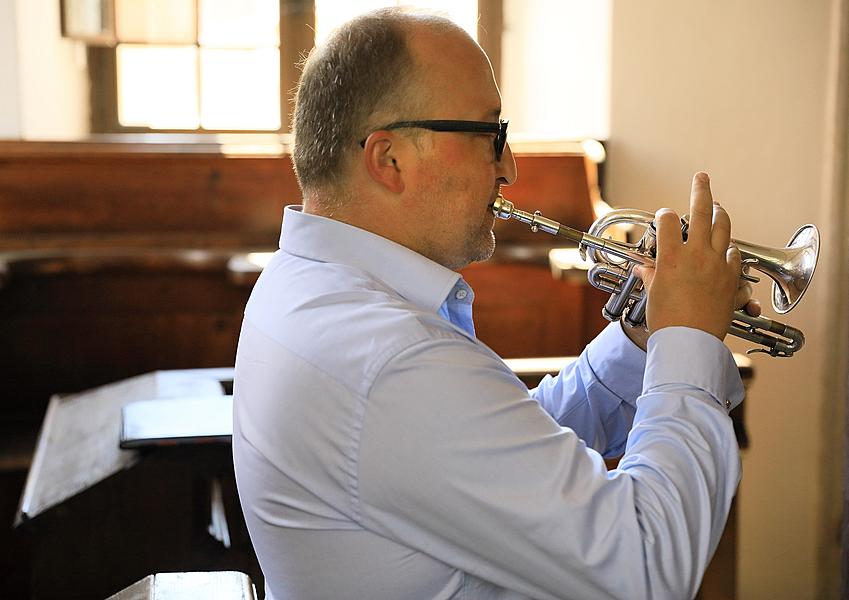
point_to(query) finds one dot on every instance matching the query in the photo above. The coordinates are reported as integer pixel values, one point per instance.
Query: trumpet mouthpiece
(502, 208)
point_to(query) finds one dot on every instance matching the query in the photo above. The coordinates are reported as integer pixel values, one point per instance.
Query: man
(381, 450)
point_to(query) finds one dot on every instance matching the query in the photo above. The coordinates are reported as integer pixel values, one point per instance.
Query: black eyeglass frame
(499, 129)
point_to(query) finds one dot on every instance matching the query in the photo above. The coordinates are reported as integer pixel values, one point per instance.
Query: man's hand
(695, 284)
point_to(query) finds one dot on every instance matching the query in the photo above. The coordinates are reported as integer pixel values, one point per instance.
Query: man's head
(428, 190)
(362, 74)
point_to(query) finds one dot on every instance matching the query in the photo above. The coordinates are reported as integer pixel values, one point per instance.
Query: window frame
(297, 19)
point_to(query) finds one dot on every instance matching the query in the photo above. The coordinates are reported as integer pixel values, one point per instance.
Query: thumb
(646, 274)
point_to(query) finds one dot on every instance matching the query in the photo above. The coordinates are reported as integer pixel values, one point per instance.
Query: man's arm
(596, 395)
(458, 462)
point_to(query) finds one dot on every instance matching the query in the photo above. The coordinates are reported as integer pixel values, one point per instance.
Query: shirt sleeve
(457, 461)
(596, 394)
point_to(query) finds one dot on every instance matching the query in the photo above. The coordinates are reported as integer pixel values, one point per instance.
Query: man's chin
(484, 250)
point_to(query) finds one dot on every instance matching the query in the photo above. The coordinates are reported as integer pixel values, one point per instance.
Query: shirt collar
(416, 278)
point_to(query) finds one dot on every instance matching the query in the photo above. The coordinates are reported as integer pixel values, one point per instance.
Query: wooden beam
(490, 26)
(297, 37)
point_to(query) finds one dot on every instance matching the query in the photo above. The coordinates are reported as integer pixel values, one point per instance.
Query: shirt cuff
(617, 362)
(685, 356)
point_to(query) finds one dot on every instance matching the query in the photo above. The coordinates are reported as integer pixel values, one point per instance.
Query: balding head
(363, 77)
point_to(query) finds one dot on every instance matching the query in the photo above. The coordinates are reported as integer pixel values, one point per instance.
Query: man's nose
(506, 167)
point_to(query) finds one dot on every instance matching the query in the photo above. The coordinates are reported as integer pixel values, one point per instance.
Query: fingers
(720, 235)
(695, 284)
(743, 300)
(668, 231)
(733, 258)
(753, 308)
(734, 261)
(701, 209)
(646, 274)
(744, 293)
(708, 220)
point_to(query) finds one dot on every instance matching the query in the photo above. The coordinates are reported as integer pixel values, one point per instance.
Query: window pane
(556, 68)
(157, 86)
(329, 14)
(155, 21)
(247, 23)
(240, 89)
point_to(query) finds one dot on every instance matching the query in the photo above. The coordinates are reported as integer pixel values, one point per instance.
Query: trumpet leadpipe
(504, 209)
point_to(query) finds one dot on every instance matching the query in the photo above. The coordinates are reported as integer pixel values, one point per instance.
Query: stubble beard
(479, 243)
(483, 246)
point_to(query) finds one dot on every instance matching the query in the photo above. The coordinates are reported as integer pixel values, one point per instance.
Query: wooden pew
(114, 254)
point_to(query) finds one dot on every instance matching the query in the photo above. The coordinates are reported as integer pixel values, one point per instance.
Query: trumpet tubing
(791, 269)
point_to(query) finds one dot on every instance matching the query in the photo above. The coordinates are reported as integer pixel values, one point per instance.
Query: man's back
(315, 337)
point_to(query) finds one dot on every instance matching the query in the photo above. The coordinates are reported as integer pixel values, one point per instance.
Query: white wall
(10, 118)
(45, 86)
(742, 90)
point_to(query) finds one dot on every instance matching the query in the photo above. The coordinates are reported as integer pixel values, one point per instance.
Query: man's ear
(381, 156)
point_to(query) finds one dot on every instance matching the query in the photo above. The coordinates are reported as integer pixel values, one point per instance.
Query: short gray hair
(363, 72)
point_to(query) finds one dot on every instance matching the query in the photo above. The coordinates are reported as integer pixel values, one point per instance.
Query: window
(189, 65)
(226, 65)
(213, 65)
(556, 82)
(221, 65)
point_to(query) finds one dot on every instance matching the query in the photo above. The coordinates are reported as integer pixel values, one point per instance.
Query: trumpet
(791, 269)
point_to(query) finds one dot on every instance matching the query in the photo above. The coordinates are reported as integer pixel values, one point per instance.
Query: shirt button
(461, 294)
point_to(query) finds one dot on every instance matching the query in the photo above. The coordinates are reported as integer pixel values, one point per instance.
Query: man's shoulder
(341, 320)
(317, 294)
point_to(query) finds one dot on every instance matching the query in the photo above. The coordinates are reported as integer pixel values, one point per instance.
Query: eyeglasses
(499, 129)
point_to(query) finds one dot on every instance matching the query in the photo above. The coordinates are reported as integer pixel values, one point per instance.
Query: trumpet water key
(791, 269)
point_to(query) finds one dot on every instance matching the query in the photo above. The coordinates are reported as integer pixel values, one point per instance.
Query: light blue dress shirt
(383, 451)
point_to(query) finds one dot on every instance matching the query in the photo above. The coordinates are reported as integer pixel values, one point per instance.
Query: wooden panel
(104, 277)
(15, 545)
(521, 311)
(149, 519)
(94, 193)
(72, 332)
(558, 186)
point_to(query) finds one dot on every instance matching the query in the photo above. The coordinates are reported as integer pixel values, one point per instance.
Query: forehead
(457, 72)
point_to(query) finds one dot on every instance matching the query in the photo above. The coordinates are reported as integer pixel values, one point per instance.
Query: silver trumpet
(791, 269)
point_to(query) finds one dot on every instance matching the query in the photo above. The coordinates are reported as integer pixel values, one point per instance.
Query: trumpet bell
(794, 273)
(791, 268)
